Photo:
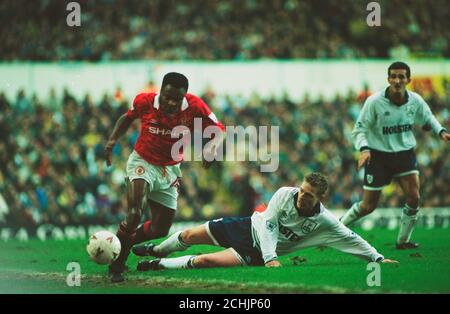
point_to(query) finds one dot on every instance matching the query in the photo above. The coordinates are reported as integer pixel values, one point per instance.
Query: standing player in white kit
(384, 135)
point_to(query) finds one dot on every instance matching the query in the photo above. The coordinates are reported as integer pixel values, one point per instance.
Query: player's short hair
(175, 79)
(400, 66)
(317, 180)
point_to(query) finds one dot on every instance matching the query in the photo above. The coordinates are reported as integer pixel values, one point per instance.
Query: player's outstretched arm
(345, 240)
(121, 127)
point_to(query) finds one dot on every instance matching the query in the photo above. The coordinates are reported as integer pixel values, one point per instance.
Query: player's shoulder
(286, 192)
(288, 189)
(325, 212)
(375, 97)
(144, 98)
(324, 209)
(194, 101)
(415, 97)
(327, 217)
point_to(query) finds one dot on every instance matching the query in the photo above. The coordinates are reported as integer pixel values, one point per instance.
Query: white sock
(407, 222)
(171, 244)
(351, 215)
(182, 262)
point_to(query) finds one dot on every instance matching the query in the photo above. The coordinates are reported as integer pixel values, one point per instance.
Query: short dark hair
(318, 180)
(399, 66)
(175, 79)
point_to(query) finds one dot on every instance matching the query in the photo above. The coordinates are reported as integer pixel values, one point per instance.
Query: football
(103, 247)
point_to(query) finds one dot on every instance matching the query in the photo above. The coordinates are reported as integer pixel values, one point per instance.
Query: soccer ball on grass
(103, 247)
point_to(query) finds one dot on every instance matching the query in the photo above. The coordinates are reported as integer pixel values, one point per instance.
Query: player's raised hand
(363, 158)
(273, 264)
(445, 136)
(108, 151)
(390, 261)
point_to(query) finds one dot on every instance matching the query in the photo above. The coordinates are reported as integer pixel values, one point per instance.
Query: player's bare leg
(179, 241)
(410, 186)
(363, 208)
(196, 235)
(136, 202)
(158, 226)
(225, 258)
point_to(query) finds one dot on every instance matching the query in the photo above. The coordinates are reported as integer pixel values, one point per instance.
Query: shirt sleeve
(343, 239)
(425, 116)
(363, 124)
(267, 230)
(136, 109)
(208, 117)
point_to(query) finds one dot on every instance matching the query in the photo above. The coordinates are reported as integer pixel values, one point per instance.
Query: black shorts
(385, 166)
(236, 233)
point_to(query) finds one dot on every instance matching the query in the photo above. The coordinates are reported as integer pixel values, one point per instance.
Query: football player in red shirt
(153, 173)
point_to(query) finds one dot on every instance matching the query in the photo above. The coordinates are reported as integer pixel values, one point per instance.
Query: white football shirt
(386, 127)
(280, 230)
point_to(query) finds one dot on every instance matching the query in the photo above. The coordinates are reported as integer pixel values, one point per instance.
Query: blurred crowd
(53, 170)
(218, 30)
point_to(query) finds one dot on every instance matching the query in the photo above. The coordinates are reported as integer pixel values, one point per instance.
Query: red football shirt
(154, 143)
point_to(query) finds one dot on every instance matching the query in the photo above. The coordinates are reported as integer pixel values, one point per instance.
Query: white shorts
(163, 181)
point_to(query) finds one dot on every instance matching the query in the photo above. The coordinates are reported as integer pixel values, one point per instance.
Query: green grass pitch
(41, 267)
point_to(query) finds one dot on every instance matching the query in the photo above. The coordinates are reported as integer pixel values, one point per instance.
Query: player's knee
(203, 261)
(187, 236)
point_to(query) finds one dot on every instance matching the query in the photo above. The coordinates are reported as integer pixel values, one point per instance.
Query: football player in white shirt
(294, 219)
(383, 134)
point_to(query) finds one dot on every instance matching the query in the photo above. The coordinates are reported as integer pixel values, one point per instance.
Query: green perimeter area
(41, 267)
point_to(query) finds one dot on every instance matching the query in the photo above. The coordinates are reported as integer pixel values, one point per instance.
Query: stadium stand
(223, 30)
